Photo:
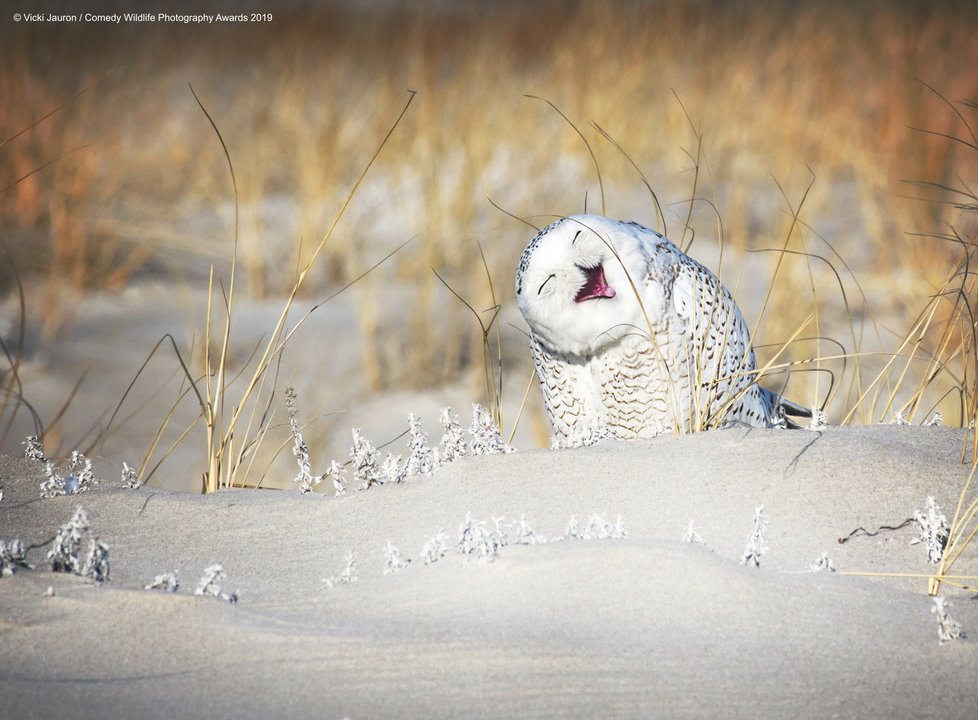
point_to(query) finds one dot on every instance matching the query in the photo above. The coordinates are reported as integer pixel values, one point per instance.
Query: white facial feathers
(579, 280)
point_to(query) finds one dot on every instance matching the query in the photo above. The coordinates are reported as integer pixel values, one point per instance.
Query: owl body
(631, 337)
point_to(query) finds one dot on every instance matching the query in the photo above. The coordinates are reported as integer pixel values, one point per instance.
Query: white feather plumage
(631, 337)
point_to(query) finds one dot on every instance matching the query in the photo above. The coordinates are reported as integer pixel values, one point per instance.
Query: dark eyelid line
(575, 237)
(551, 277)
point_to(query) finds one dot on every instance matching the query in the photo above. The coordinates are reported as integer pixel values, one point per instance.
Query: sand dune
(642, 626)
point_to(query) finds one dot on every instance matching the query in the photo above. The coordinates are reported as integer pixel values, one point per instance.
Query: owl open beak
(595, 286)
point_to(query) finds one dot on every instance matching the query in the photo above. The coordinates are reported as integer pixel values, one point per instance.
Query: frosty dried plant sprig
(935, 420)
(948, 628)
(475, 541)
(63, 555)
(485, 436)
(210, 584)
(595, 528)
(365, 459)
(393, 560)
(13, 555)
(819, 421)
(33, 449)
(526, 534)
(691, 536)
(167, 582)
(823, 563)
(97, 562)
(53, 485)
(129, 477)
(78, 477)
(755, 546)
(392, 470)
(934, 530)
(435, 548)
(421, 461)
(337, 475)
(304, 479)
(453, 444)
(346, 576)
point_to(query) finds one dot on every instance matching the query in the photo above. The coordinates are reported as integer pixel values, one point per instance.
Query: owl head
(578, 281)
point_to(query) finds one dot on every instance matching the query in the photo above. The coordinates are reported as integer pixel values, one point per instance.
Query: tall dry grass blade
(660, 217)
(512, 215)
(492, 395)
(65, 104)
(216, 392)
(597, 167)
(41, 167)
(225, 454)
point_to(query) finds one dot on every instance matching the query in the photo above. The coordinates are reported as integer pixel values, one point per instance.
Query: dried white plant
(948, 629)
(97, 563)
(63, 555)
(823, 563)
(453, 445)
(936, 420)
(210, 584)
(337, 475)
(346, 576)
(393, 560)
(54, 484)
(167, 582)
(33, 449)
(934, 530)
(692, 536)
(527, 536)
(819, 421)
(129, 479)
(755, 541)
(475, 541)
(78, 477)
(899, 418)
(305, 479)
(393, 470)
(435, 548)
(421, 461)
(485, 436)
(366, 467)
(586, 434)
(502, 528)
(595, 528)
(13, 555)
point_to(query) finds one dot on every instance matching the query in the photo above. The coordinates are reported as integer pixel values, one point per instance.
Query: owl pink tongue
(595, 286)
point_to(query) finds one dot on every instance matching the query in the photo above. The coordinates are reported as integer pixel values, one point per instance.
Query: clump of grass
(235, 428)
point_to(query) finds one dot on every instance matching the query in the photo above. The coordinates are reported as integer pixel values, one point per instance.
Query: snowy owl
(631, 337)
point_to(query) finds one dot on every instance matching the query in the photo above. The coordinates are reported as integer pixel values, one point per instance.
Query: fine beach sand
(642, 627)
